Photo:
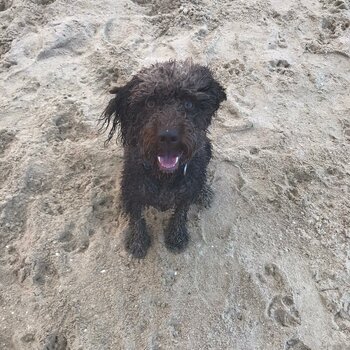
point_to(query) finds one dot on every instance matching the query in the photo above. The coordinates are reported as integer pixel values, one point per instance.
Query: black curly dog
(164, 112)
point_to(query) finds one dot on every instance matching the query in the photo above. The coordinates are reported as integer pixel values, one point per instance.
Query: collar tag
(185, 169)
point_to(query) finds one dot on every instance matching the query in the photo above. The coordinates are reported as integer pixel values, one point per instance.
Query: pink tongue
(167, 162)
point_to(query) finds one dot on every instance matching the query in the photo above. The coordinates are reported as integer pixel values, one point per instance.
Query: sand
(268, 265)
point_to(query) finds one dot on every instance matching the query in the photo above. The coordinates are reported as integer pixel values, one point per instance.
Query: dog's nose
(169, 137)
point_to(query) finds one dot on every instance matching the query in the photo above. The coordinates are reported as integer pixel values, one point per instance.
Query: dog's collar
(147, 166)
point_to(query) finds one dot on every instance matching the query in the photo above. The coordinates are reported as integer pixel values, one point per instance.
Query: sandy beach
(268, 265)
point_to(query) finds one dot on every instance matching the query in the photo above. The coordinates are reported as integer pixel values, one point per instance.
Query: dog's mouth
(168, 163)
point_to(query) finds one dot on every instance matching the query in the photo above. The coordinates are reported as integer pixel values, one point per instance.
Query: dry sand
(268, 266)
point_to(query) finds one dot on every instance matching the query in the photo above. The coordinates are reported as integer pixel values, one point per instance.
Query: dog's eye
(150, 103)
(188, 104)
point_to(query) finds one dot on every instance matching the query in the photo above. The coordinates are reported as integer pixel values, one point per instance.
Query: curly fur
(163, 112)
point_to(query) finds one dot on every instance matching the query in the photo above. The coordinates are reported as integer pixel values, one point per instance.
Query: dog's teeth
(159, 159)
(176, 160)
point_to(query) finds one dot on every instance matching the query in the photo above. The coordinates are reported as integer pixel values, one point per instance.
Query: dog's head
(164, 112)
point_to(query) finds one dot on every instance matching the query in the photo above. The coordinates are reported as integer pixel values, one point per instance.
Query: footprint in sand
(66, 126)
(335, 6)
(44, 271)
(67, 38)
(282, 67)
(56, 341)
(13, 218)
(5, 5)
(159, 6)
(346, 129)
(334, 27)
(44, 2)
(6, 139)
(74, 238)
(295, 344)
(281, 308)
(283, 311)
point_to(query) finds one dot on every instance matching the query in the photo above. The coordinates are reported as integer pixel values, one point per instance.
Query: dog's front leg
(176, 234)
(137, 239)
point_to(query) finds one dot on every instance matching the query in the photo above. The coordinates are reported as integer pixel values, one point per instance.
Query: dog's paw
(138, 246)
(177, 241)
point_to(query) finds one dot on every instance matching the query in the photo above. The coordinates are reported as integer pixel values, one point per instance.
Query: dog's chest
(163, 195)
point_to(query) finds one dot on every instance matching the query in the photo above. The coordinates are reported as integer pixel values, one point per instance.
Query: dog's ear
(116, 111)
(208, 87)
(209, 93)
(219, 92)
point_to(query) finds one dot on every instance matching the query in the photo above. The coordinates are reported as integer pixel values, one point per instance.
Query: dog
(164, 113)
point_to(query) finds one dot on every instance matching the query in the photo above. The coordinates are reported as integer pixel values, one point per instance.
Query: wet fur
(153, 100)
